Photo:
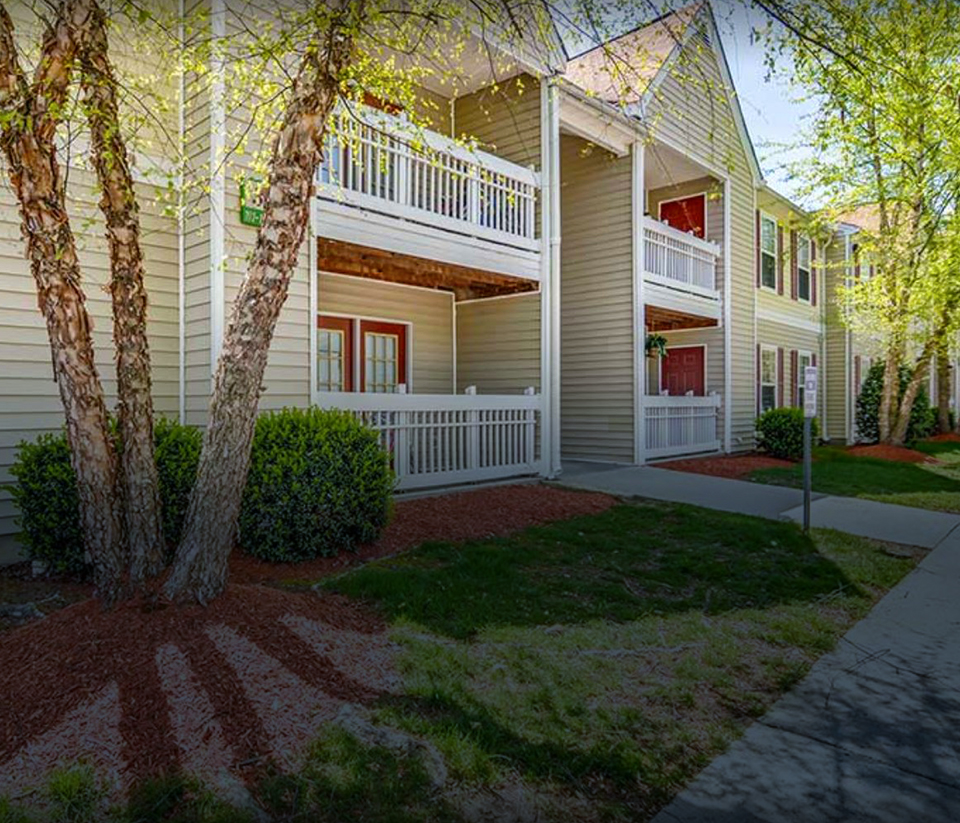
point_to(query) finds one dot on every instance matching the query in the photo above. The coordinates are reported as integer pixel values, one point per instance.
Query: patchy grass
(921, 485)
(609, 658)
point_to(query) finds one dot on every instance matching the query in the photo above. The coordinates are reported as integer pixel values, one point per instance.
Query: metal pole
(807, 471)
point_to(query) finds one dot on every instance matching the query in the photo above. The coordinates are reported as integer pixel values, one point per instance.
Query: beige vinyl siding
(29, 397)
(691, 110)
(498, 344)
(505, 121)
(596, 326)
(430, 342)
(837, 346)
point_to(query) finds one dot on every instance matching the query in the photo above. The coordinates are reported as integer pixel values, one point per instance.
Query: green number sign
(250, 214)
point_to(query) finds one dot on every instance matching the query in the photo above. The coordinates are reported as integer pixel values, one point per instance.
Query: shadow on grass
(624, 564)
(836, 472)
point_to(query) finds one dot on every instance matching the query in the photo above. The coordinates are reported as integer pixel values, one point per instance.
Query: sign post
(809, 412)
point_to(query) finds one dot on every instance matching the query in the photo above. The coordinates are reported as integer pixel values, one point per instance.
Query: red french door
(681, 371)
(383, 356)
(688, 214)
(334, 353)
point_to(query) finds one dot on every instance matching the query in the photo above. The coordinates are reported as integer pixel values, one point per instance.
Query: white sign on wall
(810, 391)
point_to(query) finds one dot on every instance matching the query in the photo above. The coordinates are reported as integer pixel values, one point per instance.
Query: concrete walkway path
(882, 521)
(871, 734)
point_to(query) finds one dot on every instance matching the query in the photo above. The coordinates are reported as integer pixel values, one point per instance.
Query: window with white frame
(768, 379)
(331, 354)
(804, 359)
(769, 252)
(381, 372)
(804, 279)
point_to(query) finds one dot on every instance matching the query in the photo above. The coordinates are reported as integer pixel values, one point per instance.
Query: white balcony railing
(680, 425)
(439, 440)
(377, 161)
(679, 258)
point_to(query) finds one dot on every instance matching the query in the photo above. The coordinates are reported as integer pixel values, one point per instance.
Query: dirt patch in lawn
(896, 453)
(472, 515)
(219, 691)
(733, 466)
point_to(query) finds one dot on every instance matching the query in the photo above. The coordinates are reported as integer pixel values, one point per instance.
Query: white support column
(181, 227)
(218, 125)
(639, 307)
(549, 278)
(727, 322)
(314, 298)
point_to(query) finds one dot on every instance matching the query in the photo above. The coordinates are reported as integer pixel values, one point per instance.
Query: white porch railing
(679, 258)
(680, 425)
(376, 161)
(439, 439)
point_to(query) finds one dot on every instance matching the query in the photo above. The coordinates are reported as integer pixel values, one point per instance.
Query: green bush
(46, 493)
(319, 483)
(923, 416)
(780, 432)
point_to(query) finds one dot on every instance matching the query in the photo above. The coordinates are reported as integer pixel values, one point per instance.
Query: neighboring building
(488, 310)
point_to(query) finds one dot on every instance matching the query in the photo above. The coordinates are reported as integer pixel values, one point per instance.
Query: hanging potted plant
(656, 345)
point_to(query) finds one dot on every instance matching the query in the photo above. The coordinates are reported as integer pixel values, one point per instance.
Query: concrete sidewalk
(882, 521)
(871, 734)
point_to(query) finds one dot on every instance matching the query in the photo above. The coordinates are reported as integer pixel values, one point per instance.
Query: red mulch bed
(947, 437)
(896, 453)
(733, 466)
(144, 689)
(472, 515)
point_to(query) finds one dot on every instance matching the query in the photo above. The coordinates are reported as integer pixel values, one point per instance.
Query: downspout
(181, 227)
(546, 232)
(218, 126)
(727, 322)
(555, 273)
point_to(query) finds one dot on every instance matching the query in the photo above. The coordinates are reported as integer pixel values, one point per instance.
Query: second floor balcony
(385, 183)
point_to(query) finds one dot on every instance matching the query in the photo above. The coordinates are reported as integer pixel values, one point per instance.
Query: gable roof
(626, 71)
(620, 70)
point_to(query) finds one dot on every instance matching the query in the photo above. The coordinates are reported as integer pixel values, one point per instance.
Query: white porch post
(639, 309)
(727, 322)
(218, 184)
(550, 278)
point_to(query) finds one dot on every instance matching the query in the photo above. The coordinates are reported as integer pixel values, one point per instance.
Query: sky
(772, 114)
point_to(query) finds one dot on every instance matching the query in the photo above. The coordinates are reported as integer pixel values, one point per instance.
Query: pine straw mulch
(226, 690)
(899, 454)
(731, 466)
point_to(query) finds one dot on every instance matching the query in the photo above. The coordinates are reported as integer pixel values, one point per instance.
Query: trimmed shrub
(780, 432)
(177, 452)
(319, 484)
(923, 416)
(46, 493)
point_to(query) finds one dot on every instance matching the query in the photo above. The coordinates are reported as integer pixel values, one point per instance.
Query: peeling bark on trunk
(200, 567)
(921, 371)
(27, 138)
(118, 203)
(886, 416)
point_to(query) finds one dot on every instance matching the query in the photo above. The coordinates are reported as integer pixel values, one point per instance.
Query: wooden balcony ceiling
(340, 257)
(660, 319)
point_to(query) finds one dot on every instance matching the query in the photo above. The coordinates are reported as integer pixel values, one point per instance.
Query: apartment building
(488, 309)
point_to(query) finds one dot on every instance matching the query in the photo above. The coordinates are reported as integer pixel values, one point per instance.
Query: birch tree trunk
(891, 390)
(943, 386)
(118, 203)
(200, 567)
(921, 372)
(32, 111)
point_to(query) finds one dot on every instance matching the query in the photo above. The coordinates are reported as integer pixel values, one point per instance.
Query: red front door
(681, 371)
(687, 215)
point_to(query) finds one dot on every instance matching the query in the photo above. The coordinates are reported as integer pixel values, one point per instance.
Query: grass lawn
(603, 661)
(924, 486)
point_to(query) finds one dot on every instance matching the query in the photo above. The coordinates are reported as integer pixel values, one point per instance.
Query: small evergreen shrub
(319, 483)
(46, 493)
(923, 416)
(780, 432)
(177, 453)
